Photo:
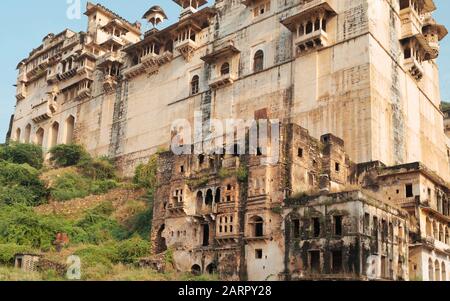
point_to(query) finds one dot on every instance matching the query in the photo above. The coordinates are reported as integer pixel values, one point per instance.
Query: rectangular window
(338, 225)
(316, 227)
(366, 223)
(300, 152)
(258, 253)
(337, 167)
(314, 263)
(336, 262)
(409, 190)
(296, 228)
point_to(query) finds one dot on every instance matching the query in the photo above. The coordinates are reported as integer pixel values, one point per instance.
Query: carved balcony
(110, 57)
(43, 111)
(83, 93)
(134, 71)
(67, 75)
(311, 41)
(109, 84)
(21, 91)
(186, 48)
(222, 81)
(414, 67)
(411, 22)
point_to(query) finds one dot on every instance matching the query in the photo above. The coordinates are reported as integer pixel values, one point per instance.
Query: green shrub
(7, 252)
(142, 223)
(21, 184)
(97, 168)
(67, 155)
(131, 250)
(70, 185)
(11, 195)
(22, 154)
(145, 174)
(102, 186)
(21, 225)
(100, 227)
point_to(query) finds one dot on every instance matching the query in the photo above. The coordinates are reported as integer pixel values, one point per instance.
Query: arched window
(437, 271)
(435, 231)
(18, 134)
(430, 270)
(199, 199)
(28, 133)
(217, 196)
(441, 233)
(225, 69)
(444, 272)
(40, 137)
(195, 82)
(258, 226)
(429, 228)
(209, 197)
(54, 134)
(258, 61)
(70, 125)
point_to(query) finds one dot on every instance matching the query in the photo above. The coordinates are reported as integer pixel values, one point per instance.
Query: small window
(338, 225)
(296, 228)
(225, 69)
(258, 253)
(337, 167)
(195, 85)
(409, 190)
(366, 222)
(258, 61)
(300, 152)
(182, 169)
(316, 227)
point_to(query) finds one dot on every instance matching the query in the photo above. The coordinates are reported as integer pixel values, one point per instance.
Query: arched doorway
(217, 196)
(211, 269)
(196, 270)
(199, 200)
(205, 235)
(40, 137)
(18, 134)
(54, 131)
(28, 133)
(209, 197)
(160, 241)
(70, 125)
(258, 226)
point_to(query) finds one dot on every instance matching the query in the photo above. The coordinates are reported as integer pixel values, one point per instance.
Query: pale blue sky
(23, 24)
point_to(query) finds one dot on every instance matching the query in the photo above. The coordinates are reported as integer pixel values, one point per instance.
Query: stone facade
(363, 71)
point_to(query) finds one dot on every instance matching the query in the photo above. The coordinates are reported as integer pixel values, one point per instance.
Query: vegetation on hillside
(108, 238)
